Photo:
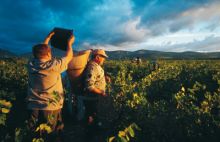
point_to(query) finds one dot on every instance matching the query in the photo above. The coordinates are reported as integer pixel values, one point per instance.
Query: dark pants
(91, 109)
(90, 119)
(52, 118)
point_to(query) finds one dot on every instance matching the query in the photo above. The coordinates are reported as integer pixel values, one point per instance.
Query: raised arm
(69, 51)
(47, 39)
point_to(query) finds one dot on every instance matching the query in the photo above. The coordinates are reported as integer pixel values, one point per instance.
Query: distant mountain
(6, 54)
(146, 54)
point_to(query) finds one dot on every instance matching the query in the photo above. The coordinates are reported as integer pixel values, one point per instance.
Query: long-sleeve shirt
(45, 90)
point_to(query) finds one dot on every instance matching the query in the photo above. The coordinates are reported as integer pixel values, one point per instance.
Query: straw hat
(99, 52)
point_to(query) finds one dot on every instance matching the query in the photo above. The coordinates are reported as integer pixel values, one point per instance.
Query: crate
(60, 38)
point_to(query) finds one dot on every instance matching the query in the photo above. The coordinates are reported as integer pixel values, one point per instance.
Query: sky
(162, 25)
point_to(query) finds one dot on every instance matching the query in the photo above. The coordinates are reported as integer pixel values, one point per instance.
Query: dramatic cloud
(206, 45)
(165, 25)
(169, 16)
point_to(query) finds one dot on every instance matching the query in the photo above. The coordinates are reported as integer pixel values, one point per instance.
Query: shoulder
(91, 68)
(92, 65)
(57, 64)
(59, 60)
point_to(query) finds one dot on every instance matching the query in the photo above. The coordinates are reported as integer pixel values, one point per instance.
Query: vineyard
(155, 101)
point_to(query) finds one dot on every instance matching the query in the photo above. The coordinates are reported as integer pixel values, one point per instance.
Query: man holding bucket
(45, 91)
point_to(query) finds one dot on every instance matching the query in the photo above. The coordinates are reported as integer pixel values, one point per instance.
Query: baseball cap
(99, 52)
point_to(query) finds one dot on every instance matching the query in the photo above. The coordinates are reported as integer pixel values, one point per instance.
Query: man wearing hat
(95, 84)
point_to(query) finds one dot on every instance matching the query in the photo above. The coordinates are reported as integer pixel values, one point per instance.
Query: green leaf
(122, 139)
(111, 139)
(131, 131)
(38, 140)
(133, 125)
(18, 135)
(127, 137)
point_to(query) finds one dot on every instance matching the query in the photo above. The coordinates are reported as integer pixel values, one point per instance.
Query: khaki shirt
(95, 77)
(45, 90)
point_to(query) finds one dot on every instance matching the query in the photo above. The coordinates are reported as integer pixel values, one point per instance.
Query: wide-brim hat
(99, 52)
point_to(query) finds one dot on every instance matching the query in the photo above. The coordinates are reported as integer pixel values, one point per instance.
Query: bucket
(60, 38)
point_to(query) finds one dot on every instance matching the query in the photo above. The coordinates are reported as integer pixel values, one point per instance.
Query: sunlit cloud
(114, 25)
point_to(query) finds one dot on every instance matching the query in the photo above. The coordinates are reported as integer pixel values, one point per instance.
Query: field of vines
(154, 101)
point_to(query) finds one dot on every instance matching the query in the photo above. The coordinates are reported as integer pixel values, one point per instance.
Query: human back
(45, 90)
(45, 84)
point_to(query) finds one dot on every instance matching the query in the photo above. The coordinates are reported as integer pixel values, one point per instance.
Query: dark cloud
(71, 7)
(97, 22)
(30, 21)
